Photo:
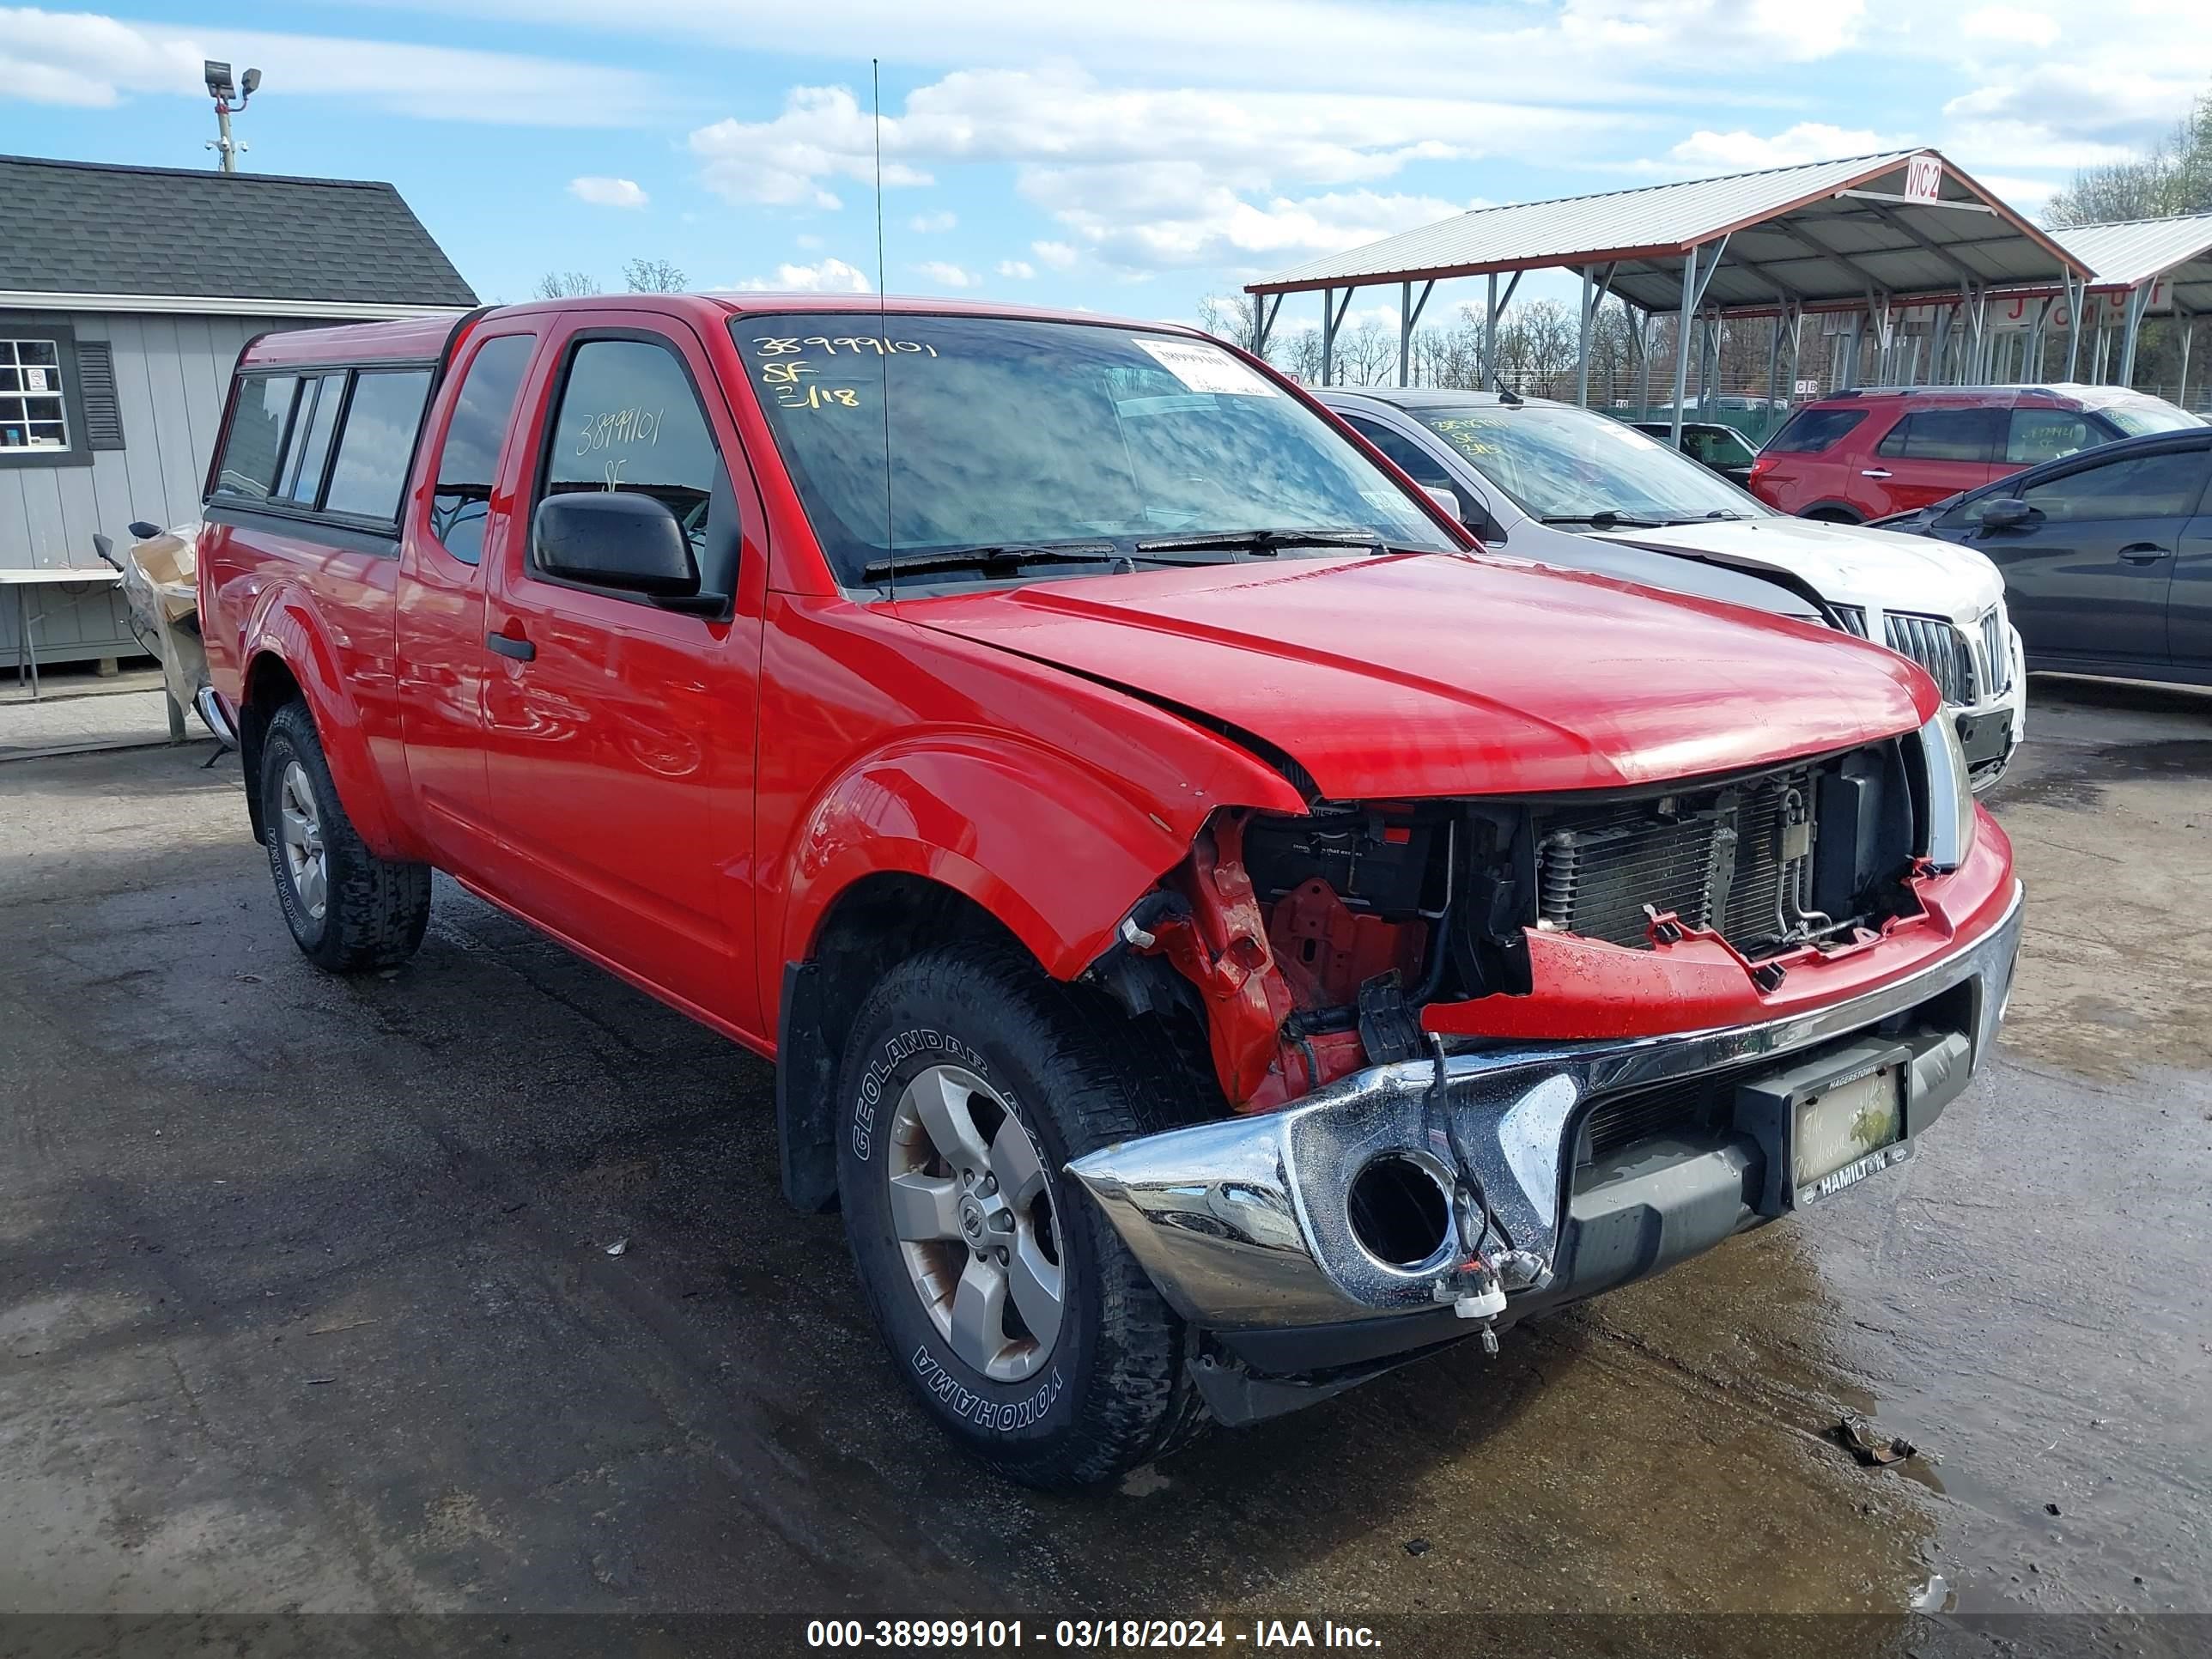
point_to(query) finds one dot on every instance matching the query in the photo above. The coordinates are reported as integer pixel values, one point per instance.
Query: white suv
(1567, 486)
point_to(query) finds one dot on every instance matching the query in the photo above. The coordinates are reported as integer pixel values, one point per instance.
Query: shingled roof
(81, 227)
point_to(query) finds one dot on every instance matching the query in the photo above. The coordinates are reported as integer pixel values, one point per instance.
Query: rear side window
(377, 442)
(1809, 431)
(260, 419)
(629, 421)
(329, 441)
(469, 463)
(314, 419)
(2163, 486)
(2048, 435)
(1945, 434)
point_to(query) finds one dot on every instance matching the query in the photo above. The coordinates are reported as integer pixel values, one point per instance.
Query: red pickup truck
(1220, 933)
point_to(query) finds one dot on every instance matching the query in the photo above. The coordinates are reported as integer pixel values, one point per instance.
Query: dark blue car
(2106, 555)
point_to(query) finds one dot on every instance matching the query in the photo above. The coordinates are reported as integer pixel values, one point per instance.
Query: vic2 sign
(1923, 179)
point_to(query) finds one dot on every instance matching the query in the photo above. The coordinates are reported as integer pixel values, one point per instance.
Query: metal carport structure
(2148, 266)
(1867, 234)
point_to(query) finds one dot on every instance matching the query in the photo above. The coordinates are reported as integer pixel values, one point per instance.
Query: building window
(33, 415)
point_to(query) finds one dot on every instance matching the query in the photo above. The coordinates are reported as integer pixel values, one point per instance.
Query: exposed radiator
(1736, 860)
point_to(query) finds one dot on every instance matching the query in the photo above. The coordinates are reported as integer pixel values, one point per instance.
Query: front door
(1931, 453)
(619, 732)
(2087, 576)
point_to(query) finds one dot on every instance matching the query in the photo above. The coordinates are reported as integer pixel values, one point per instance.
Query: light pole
(220, 89)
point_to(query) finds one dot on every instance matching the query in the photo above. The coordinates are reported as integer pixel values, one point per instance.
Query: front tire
(1011, 1307)
(348, 910)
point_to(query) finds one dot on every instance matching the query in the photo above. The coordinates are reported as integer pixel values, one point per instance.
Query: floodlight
(252, 83)
(218, 79)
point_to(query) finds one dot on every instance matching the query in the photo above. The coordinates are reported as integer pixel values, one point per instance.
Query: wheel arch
(287, 658)
(871, 926)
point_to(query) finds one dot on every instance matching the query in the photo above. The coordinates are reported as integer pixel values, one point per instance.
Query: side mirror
(1446, 499)
(142, 531)
(614, 539)
(2006, 513)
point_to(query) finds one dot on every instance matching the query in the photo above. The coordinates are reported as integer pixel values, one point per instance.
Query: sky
(1129, 157)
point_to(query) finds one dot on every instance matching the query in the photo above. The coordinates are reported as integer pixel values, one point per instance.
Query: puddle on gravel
(2076, 781)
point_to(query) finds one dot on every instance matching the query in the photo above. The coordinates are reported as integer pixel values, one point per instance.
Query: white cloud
(2074, 111)
(1155, 214)
(821, 133)
(930, 223)
(91, 61)
(1595, 52)
(2010, 24)
(947, 276)
(1020, 269)
(1057, 255)
(609, 192)
(824, 276)
(1740, 151)
(1143, 176)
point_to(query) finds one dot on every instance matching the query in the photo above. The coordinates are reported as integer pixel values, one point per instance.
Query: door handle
(2143, 553)
(510, 645)
(1873, 472)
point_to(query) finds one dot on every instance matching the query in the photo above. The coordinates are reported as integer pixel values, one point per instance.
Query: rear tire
(348, 910)
(1011, 1307)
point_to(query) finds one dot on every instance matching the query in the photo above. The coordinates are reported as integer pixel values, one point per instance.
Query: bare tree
(2173, 177)
(1232, 317)
(652, 276)
(564, 285)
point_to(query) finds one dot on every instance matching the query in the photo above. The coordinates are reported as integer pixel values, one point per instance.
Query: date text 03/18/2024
(999, 1635)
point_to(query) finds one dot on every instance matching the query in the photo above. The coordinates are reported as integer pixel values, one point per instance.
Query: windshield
(2139, 418)
(1571, 466)
(1084, 443)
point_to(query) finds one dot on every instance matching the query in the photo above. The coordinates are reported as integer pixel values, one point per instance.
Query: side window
(469, 463)
(1419, 464)
(2047, 435)
(1944, 435)
(1809, 431)
(377, 443)
(628, 420)
(312, 423)
(259, 418)
(2164, 486)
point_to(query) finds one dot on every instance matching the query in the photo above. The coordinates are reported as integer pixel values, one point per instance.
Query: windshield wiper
(995, 555)
(1259, 541)
(1605, 518)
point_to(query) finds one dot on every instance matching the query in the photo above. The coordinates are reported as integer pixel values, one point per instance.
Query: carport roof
(2129, 251)
(1822, 232)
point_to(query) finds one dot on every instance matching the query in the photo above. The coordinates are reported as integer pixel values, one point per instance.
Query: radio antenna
(882, 317)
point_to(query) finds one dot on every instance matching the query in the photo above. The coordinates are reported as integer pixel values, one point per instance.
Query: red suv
(1865, 454)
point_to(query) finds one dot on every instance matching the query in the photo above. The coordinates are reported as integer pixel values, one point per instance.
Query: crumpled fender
(285, 624)
(1051, 846)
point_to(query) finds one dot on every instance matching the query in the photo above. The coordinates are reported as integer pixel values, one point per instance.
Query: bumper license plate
(1985, 737)
(1841, 1133)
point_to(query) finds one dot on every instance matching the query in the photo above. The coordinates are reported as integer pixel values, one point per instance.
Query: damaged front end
(1487, 1057)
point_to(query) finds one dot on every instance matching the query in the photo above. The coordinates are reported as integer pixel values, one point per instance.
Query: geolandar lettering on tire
(906, 1044)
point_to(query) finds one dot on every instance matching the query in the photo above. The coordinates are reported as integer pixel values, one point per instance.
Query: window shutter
(102, 414)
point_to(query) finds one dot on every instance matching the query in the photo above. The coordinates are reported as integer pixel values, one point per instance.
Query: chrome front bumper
(1245, 1223)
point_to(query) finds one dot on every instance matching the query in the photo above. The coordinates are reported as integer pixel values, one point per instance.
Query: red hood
(1438, 675)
